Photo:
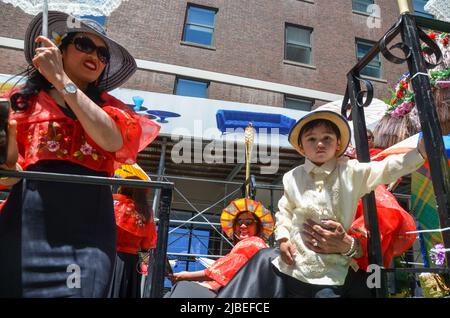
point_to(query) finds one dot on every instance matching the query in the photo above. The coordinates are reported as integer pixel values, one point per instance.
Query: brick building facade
(248, 43)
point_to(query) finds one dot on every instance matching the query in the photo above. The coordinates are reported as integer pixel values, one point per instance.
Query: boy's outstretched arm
(367, 176)
(421, 149)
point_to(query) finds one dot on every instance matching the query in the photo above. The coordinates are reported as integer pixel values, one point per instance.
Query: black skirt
(126, 281)
(57, 239)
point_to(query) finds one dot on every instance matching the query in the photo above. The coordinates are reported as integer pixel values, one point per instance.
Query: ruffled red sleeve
(223, 270)
(137, 131)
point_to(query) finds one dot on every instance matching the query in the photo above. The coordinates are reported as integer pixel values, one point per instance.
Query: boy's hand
(287, 252)
(421, 148)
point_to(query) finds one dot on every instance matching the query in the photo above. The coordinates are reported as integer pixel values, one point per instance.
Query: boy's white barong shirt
(330, 191)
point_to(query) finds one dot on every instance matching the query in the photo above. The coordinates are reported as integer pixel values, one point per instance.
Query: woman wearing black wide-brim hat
(58, 239)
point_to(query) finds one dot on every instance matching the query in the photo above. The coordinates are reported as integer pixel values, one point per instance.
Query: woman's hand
(176, 277)
(12, 151)
(48, 61)
(287, 251)
(329, 237)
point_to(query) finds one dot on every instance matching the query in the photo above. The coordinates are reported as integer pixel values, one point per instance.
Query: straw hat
(246, 205)
(121, 64)
(334, 117)
(131, 172)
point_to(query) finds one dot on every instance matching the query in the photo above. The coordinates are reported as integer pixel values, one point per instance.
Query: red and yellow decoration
(131, 171)
(246, 205)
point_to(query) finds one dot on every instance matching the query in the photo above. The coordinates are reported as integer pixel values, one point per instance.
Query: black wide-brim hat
(334, 117)
(121, 64)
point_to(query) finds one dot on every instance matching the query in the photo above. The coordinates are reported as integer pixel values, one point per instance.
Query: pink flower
(52, 145)
(86, 149)
(437, 254)
(402, 109)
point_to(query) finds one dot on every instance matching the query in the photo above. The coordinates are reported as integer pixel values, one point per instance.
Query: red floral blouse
(133, 232)
(44, 132)
(223, 270)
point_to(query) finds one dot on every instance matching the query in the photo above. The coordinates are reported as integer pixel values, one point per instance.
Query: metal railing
(408, 27)
(157, 277)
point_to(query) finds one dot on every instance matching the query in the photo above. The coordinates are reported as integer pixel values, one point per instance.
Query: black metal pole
(157, 280)
(432, 134)
(368, 201)
(84, 179)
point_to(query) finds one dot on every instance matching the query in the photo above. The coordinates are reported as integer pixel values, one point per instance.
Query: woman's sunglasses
(247, 222)
(86, 45)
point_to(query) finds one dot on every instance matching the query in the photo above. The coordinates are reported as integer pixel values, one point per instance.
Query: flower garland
(437, 254)
(402, 100)
(443, 37)
(440, 78)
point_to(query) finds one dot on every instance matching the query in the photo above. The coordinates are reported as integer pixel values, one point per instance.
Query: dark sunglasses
(247, 222)
(86, 45)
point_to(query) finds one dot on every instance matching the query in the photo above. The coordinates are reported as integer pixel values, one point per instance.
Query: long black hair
(37, 82)
(139, 197)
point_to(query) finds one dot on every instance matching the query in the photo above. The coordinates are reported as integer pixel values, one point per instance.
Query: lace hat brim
(121, 64)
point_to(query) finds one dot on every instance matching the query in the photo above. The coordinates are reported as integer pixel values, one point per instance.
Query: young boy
(326, 187)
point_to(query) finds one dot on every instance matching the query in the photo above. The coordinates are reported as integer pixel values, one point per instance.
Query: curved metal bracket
(432, 48)
(368, 92)
(346, 105)
(386, 52)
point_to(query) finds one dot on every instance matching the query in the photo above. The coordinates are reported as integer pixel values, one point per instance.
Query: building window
(419, 9)
(373, 69)
(199, 26)
(361, 5)
(188, 87)
(298, 103)
(298, 44)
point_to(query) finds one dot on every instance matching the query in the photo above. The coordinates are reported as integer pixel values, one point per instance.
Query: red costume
(223, 270)
(44, 132)
(133, 232)
(374, 151)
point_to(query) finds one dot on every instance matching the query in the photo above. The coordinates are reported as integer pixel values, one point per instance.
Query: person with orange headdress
(248, 224)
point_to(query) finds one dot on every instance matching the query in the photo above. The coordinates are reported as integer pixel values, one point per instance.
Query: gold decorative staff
(249, 139)
(403, 6)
